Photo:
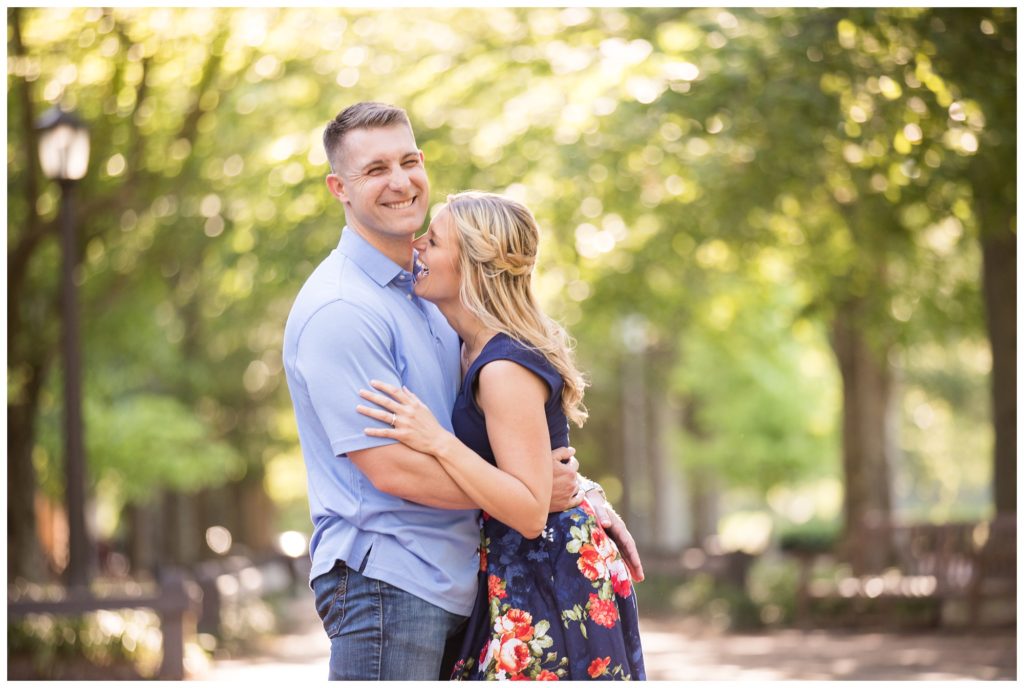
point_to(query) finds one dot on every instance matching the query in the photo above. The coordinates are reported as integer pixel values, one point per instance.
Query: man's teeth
(401, 205)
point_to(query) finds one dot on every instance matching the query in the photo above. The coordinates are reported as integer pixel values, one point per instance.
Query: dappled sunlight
(759, 225)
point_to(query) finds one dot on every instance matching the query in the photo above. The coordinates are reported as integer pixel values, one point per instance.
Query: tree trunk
(703, 498)
(257, 512)
(24, 556)
(170, 536)
(999, 278)
(143, 537)
(27, 362)
(866, 393)
(702, 486)
(670, 503)
(635, 449)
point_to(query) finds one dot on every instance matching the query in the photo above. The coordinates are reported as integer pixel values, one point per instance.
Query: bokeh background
(784, 240)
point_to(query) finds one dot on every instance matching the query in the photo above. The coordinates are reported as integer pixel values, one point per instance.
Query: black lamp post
(64, 157)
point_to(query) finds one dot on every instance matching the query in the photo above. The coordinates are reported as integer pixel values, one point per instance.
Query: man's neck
(398, 249)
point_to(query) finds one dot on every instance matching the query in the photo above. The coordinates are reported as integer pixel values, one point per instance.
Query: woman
(555, 599)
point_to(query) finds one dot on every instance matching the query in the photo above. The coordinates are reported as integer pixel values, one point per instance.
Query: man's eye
(376, 170)
(411, 163)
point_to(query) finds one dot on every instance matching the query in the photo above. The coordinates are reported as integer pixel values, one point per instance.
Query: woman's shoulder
(504, 347)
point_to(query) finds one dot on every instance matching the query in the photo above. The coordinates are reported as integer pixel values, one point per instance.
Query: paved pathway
(683, 650)
(674, 650)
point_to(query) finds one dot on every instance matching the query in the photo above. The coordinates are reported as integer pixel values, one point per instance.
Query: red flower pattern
(496, 588)
(513, 656)
(517, 624)
(591, 564)
(599, 667)
(546, 675)
(603, 612)
(622, 586)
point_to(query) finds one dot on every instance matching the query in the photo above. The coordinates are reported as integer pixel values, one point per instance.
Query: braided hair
(499, 240)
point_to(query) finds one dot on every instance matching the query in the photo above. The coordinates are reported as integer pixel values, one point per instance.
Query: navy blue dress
(560, 606)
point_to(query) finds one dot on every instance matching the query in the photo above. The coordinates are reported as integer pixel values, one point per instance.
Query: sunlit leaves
(665, 152)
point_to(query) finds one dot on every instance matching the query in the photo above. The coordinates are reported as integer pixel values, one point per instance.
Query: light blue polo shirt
(356, 319)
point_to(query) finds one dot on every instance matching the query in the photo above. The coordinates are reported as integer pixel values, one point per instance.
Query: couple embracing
(453, 536)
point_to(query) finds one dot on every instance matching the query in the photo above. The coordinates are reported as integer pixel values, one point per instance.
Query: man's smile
(400, 205)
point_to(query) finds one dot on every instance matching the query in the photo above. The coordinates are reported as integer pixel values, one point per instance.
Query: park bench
(931, 565)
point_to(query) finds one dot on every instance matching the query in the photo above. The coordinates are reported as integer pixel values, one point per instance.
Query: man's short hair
(365, 115)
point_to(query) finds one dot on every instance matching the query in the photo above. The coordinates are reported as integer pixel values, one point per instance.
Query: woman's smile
(437, 261)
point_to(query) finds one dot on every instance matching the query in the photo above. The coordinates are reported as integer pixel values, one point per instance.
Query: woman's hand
(616, 529)
(565, 490)
(411, 421)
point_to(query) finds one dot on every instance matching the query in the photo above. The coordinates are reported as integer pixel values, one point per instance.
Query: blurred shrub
(812, 537)
(122, 644)
(769, 599)
(721, 605)
(772, 587)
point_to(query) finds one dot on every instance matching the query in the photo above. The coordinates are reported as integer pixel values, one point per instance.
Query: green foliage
(766, 417)
(729, 177)
(143, 443)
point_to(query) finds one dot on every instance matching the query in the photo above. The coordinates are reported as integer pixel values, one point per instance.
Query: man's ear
(337, 187)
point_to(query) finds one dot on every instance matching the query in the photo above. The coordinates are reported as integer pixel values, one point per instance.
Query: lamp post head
(63, 145)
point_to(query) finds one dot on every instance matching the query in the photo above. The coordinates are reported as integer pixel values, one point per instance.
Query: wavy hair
(499, 239)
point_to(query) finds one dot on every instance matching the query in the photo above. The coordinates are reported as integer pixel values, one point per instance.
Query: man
(394, 546)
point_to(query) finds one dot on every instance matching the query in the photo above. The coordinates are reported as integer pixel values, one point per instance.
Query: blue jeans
(379, 632)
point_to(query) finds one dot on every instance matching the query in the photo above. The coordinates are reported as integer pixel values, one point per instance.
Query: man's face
(382, 182)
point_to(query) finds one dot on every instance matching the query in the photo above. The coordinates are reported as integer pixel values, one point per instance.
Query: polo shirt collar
(379, 267)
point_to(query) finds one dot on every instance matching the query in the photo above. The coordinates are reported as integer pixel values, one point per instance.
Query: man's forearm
(409, 474)
(424, 481)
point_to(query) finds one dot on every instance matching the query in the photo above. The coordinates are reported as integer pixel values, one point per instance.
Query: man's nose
(399, 179)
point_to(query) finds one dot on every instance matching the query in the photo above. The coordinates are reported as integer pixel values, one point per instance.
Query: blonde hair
(499, 239)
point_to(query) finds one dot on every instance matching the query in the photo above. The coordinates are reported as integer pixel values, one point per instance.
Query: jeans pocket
(330, 589)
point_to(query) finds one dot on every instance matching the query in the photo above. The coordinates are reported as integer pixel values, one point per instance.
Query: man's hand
(616, 529)
(565, 491)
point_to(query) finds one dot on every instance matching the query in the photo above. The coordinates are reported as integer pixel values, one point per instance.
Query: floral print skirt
(558, 607)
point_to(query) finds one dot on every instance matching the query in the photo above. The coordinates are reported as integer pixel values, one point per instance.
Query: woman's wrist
(443, 445)
(588, 485)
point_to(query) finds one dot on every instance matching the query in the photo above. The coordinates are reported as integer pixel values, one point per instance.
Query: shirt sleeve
(341, 348)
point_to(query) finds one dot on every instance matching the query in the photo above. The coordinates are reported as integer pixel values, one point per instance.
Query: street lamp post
(64, 157)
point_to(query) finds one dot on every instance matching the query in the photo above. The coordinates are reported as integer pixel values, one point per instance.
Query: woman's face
(438, 278)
